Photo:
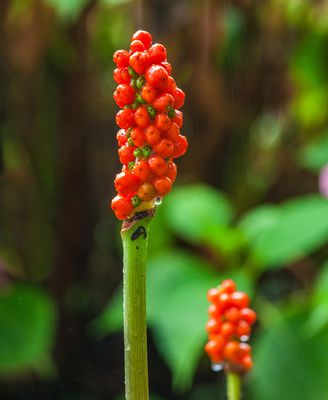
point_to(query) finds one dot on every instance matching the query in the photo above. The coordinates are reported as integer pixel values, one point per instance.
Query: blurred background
(246, 204)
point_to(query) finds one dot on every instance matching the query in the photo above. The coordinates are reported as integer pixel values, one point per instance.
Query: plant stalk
(233, 386)
(135, 242)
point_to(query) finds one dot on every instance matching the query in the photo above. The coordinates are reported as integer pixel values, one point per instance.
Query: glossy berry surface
(150, 121)
(229, 327)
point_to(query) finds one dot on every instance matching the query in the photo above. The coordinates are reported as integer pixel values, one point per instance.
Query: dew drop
(244, 338)
(158, 201)
(216, 367)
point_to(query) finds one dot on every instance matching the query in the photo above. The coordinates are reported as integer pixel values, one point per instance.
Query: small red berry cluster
(228, 327)
(150, 122)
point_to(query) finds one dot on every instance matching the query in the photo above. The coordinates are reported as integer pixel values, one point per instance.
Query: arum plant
(149, 140)
(228, 328)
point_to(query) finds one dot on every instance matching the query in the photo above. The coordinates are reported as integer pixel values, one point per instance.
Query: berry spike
(229, 327)
(150, 121)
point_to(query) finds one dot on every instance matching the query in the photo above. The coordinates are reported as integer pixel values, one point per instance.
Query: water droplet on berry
(216, 367)
(244, 338)
(158, 201)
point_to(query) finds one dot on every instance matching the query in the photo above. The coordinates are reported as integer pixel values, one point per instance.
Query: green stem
(135, 243)
(233, 386)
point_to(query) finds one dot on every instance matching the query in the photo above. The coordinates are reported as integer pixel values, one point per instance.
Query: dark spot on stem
(140, 231)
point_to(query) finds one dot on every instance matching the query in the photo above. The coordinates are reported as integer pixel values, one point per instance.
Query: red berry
(144, 37)
(167, 66)
(121, 137)
(125, 154)
(157, 53)
(171, 85)
(243, 330)
(214, 350)
(247, 363)
(162, 122)
(240, 299)
(232, 314)
(173, 133)
(180, 146)
(213, 326)
(124, 94)
(162, 185)
(158, 165)
(171, 171)
(146, 191)
(137, 45)
(214, 311)
(141, 170)
(148, 93)
(121, 58)
(141, 117)
(227, 329)
(228, 286)
(152, 134)
(179, 98)
(125, 118)
(178, 118)
(157, 76)
(224, 301)
(139, 61)
(162, 102)
(121, 206)
(213, 295)
(121, 75)
(126, 183)
(138, 136)
(248, 315)
(164, 148)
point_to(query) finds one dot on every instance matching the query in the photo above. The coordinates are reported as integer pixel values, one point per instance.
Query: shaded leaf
(26, 328)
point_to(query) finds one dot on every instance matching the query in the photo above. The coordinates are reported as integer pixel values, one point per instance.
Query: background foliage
(246, 204)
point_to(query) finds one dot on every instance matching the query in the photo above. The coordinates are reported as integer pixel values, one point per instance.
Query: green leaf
(318, 318)
(282, 234)
(26, 329)
(193, 211)
(287, 364)
(68, 9)
(315, 155)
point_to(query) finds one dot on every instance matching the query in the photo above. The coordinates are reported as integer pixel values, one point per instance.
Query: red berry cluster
(228, 327)
(150, 122)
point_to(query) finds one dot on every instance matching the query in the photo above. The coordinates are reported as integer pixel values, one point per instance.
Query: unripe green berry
(132, 72)
(151, 111)
(140, 99)
(133, 83)
(171, 113)
(147, 151)
(140, 82)
(138, 153)
(131, 165)
(130, 142)
(135, 200)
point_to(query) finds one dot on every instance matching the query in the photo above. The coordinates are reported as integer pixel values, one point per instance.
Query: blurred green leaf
(318, 318)
(26, 329)
(193, 211)
(287, 364)
(282, 234)
(315, 155)
(68, 9)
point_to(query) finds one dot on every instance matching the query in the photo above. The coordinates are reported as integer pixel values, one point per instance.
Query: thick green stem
(233, 386)
(135, 243)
